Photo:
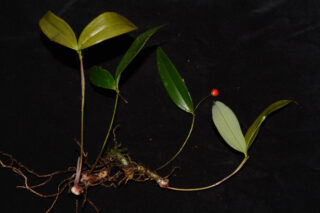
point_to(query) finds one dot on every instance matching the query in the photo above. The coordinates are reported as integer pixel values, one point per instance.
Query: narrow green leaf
(101, 78)
(173, 82)
(133, 51)
(105, 26)
(252, 132)
(57, 30)
(228, 126)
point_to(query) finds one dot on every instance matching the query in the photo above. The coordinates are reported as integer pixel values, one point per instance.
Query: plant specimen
(113, 166)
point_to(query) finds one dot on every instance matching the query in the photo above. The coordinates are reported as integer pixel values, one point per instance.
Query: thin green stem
(184, 143)
(200, 102)
(108, 133)
(213, 185)
(82, 107)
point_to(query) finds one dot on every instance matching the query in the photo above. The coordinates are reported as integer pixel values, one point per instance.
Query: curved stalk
(188, 136)
(215, 184)
(200, 102)
(82, 107)
(108, 133)
(184, 143)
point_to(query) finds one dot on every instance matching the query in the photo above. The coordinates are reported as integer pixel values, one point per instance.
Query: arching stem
(188, 136)
(108, 133)
(213, 185)
(200, 102)
(184, 143)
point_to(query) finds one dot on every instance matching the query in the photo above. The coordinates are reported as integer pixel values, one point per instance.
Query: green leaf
(133, 51)
(101, 78)
(105, 26)
(173, 82)
(57, 30)
(228, 126)
(252, 132)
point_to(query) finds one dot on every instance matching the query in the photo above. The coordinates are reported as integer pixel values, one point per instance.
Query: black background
(254, 52)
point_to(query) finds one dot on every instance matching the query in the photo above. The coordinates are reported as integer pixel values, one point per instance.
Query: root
(112, 170)
(64, 184)
(174, 169)
(20, 169)
(20, 165)
(77, 205)
(93, 206)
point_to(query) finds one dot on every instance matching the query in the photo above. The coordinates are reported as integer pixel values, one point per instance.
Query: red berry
(214, 92)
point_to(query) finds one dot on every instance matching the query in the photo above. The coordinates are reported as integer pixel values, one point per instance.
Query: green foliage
(134, 50)
(173, 82)
(57, 30)
(228, 126)
(104, 79)
(101, 78)
(105, 26)
(253, 130)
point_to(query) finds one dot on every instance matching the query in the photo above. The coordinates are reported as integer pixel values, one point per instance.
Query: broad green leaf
(133, 51)
(228, 126)
(173, 82)
(105, 26)
(57, 30)
(101, 78)
(253, 130)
